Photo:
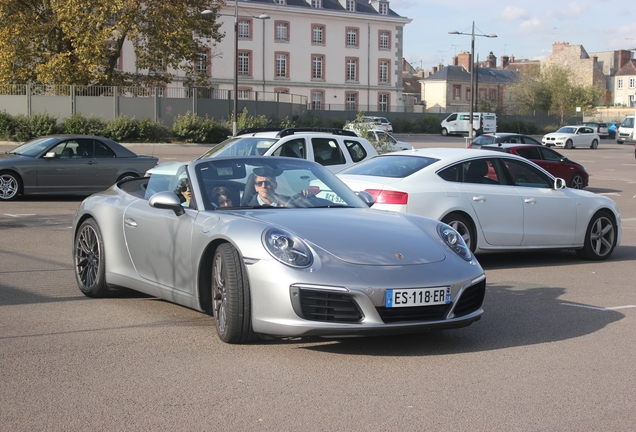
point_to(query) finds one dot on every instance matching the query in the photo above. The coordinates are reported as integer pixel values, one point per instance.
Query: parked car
(602, 129)
(388, 139)
(574, 174)
(68, 165)
(370, 123)
(333, 148)
(572, 136)
(625, 130)
(309, 268)
(502, 137)
(497, 201)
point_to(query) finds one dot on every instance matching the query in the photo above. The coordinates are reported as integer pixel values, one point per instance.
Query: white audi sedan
(572, 136)
(496, 201)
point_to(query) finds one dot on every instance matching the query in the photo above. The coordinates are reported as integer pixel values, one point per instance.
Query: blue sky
(526, 30)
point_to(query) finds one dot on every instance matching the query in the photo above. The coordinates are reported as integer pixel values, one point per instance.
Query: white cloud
(571, 11)
(511, 13)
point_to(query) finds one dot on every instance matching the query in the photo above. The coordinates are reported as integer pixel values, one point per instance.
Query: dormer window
(280, 2)
(316, 4)
(384, 8)
(351, 5)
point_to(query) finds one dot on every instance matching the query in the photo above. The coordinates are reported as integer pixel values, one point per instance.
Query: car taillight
(388, 197)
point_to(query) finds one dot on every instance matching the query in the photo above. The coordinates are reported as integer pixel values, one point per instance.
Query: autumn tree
(80, 41)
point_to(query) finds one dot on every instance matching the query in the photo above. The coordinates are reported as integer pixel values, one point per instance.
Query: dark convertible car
(68, 164)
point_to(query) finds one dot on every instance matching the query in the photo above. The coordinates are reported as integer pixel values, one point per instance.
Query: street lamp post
(472, 74)
(236, 63)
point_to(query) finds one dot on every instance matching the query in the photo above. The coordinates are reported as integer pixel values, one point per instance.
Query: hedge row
(190, 128)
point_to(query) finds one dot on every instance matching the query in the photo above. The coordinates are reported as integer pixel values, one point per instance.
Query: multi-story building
(340, 54)
(625, 84)
(585, 69)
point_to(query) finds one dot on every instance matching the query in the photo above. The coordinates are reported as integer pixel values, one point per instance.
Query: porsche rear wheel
(464, 227)
(9, 185)
(577, 181)
(90, 267)
(231, 303)
(600, 238)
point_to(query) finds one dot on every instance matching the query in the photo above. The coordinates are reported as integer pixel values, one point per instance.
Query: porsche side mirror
(366, 197)
(167, 200)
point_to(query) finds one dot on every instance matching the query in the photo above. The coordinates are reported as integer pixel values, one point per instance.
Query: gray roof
(458, 73)
(362, 6)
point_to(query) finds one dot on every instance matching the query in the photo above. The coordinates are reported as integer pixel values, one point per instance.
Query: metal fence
(161, 104)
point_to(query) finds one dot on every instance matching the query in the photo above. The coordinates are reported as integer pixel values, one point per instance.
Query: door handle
(529, 200)
(479, 198)
(130, 222)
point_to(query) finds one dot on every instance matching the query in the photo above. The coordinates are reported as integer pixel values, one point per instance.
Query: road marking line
(18, 215)
(599, 308)
(609, 193)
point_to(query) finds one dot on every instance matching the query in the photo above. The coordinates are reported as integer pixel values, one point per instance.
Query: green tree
(80, 41)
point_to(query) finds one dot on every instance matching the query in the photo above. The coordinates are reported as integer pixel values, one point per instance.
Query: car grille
(549, 138)
(328, 306)
(471, 300)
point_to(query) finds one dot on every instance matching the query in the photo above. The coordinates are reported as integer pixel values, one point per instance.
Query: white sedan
(496, 201)
(572, 136)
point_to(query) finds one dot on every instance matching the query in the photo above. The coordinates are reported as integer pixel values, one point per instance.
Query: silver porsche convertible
(274, 247)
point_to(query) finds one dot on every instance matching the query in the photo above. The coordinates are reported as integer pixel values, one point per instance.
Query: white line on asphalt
(18, 215)
(628, 220)
(610, 193)
(599, 308)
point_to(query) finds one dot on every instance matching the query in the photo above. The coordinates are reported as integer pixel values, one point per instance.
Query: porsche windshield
(267, 182)
(241, 146)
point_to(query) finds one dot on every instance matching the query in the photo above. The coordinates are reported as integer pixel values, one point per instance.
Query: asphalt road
(555, 349)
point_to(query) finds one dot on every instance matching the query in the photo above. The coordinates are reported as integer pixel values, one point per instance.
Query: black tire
(577, 181)
(231, 303)
(594, 144)
(568, 144)
(10, 185)
(464, 227)
(600, 237)
(89, 261)
(444, 132)
(619, 141)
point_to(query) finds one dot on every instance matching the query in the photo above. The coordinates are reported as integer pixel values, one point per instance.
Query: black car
(502, 138)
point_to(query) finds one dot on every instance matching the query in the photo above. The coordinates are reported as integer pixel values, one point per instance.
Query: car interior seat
(67, 153)
(249, 191)
(477, 171)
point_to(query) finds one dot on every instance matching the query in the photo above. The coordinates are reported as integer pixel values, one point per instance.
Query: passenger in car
(220, 197)
(183, 192)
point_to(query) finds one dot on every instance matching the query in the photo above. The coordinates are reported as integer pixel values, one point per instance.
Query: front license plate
(418, 297)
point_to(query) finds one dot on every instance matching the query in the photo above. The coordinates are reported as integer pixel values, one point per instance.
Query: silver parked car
(272, 257)
(68, 165)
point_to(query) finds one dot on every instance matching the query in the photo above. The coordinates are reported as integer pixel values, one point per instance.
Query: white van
(625, 130)
(458, 123)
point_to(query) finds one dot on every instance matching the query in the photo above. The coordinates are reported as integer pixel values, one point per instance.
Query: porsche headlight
(287, 248)
(454, 241)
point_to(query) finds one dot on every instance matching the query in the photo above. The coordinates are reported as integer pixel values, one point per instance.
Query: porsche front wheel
(90, 267)
(231, 305)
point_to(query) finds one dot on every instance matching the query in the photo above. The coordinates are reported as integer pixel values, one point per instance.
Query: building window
(202, 64)
(245, 63)
(351, 69)
(383, 102)
(457, 92)
(112, 47)
(631, 83)
(468, 94)
(317, 67)
(493, 95)
(352, 37)
(282, 65)
(245, 28)
(351, 5)
(245, 93)
(317, 4)
(383, 71)
(317, 99)
(282, 31)
(384, 8)
(351, 101)
(281, 2)
(384, 40)
(619, 84)
(317, 34)
(281, 90)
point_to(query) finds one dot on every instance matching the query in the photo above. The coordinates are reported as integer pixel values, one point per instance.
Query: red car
(574, 174)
